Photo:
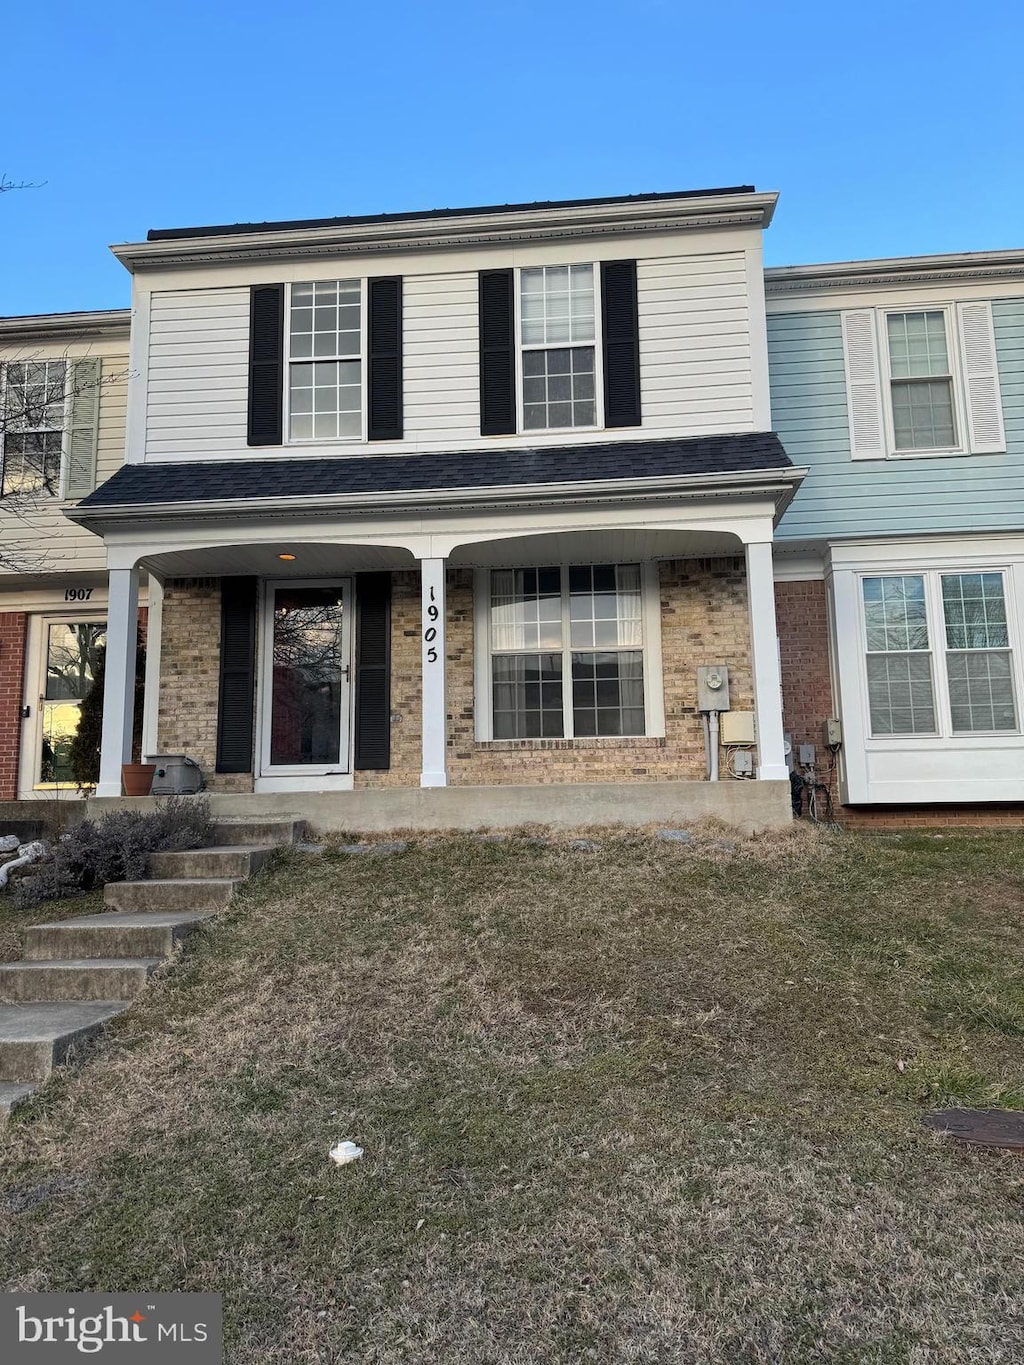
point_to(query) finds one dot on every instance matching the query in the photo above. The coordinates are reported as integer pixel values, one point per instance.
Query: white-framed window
(558, 347)
(922, 380)
(325, 362)
(34, 406)
(938, 653)
(567, 651)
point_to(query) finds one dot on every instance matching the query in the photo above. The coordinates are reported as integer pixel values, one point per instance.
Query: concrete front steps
(78, 974)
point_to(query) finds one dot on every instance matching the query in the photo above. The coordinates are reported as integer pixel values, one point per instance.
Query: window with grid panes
(567, 652)
(32, 435)
(921, 380)
(325, 379)
(901, 697)
(979, 666)
(557, 333)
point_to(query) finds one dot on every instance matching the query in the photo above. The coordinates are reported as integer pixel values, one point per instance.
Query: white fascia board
(967, 265)
(925, 551)
(113, 322)
(779, 484)
(706, 211)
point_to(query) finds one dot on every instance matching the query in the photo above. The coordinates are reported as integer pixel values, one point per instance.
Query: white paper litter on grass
(344, 1152)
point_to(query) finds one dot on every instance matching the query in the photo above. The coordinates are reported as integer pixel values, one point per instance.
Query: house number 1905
(430, 634)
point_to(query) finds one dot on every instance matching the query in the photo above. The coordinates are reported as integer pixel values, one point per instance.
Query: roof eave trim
(781, 480)
(66, 326)
(735, 210)
(973, 265)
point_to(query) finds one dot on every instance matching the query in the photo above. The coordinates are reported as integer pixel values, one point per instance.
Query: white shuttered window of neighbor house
(50, 427)
(922, 381)
(962, 618)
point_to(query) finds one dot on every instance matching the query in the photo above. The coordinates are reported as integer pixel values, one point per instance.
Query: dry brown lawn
(645, 1104)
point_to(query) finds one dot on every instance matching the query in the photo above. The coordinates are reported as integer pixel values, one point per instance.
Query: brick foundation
(13, 626)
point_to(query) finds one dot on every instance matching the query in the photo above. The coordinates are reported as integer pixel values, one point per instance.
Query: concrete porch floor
(748, 806)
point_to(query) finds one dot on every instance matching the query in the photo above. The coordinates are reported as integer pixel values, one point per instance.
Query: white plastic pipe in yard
(710, 719)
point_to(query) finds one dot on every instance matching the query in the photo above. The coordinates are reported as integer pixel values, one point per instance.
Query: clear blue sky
(889, 129)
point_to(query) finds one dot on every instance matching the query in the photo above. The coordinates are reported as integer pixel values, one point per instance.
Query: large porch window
(567, 652)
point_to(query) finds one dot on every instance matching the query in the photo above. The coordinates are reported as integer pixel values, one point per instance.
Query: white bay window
(959, 618)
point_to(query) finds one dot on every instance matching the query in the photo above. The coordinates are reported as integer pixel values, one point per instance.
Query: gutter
(769, 482)
(106, 322)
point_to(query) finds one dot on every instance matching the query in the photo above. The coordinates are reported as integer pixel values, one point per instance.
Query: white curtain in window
(507, 630)
(630, 621)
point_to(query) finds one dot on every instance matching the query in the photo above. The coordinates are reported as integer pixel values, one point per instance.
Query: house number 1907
(430, 634)
(77, 594)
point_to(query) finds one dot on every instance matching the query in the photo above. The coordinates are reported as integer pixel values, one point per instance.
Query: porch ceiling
(611, 545)
(263, 560)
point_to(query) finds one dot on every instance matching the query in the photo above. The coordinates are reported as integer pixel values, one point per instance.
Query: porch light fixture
(286, 556)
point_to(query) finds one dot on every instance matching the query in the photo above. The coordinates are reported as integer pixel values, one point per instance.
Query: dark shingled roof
(747, 452)
(229, 229)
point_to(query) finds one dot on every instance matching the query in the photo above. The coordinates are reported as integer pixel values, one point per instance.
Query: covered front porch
(542, 650)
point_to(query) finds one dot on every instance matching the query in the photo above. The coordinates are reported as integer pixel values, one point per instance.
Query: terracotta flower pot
(137, 778)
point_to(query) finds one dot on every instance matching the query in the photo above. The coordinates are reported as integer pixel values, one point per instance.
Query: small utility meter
(712, 687)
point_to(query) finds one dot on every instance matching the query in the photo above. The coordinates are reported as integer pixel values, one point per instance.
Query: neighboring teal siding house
(899, 386)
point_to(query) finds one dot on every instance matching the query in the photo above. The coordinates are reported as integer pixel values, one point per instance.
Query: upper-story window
(32, 432)
(557, 330)
(325, 361)
(923, 381)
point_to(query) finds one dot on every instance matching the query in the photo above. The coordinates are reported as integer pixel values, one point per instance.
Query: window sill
(583, 742)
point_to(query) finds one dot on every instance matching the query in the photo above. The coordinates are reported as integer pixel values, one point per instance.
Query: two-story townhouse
(899, 384)
(63, 381)
(447, 500)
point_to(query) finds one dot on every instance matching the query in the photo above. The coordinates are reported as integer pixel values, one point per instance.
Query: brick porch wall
(703, 620)
(13, 626)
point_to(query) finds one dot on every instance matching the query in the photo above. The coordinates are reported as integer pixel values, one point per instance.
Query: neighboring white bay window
(567, 652)
(908, 618)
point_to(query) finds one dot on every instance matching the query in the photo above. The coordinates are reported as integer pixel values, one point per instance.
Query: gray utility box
(176, 775)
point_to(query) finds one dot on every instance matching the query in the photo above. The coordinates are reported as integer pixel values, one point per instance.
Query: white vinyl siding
(695, 352)
(59, 544)
(196, 402)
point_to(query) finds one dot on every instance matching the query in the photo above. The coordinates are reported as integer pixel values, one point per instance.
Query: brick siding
(13, 626)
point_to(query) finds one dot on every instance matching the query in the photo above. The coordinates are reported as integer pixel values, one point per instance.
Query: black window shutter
(266, 364)
(237, 674)
(373, 671)
(621, 344)
(497, 353)
(385, 355)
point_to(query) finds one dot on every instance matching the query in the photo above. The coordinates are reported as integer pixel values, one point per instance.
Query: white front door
(62, 658)
(306, 685)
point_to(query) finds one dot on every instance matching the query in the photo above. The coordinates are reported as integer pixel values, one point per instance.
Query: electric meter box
(712, 687)
(176, 775)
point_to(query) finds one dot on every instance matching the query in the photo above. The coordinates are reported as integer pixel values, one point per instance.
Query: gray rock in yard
(308, 848)
(674, 836)
(585, 845)
(726, 845)
(489, 838)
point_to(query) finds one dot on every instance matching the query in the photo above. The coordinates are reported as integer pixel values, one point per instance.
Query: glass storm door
(306, 679)
(73, 652)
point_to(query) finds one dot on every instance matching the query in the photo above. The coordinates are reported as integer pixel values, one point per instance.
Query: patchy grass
(643, 1104)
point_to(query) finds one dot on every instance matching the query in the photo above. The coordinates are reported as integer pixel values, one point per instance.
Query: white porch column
(432, 643)
(119, 685)
(764, 642)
